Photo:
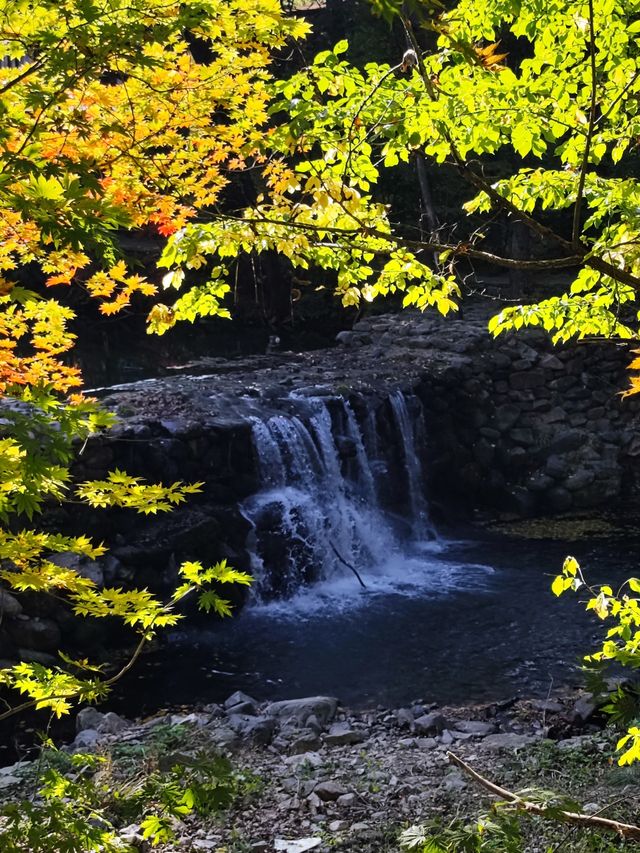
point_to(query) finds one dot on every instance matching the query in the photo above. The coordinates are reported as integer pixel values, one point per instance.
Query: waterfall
(318, 509)
(408, 430)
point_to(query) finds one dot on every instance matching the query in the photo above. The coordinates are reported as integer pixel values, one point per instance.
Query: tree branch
(575, 232)
(624, 830)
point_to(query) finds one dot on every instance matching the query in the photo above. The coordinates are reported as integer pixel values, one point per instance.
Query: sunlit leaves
(621, 644)
(120, 489)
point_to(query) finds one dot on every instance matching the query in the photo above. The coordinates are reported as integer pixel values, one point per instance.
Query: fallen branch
(348, 565)
(624, 830)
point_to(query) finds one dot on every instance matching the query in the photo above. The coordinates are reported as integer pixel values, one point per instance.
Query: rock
(112, 724)
(36, 633)
(506, 416)
(34, 656)
(527, 379)
(565, 440)
(132, 835)
(426, 742)
(204, 844)
(258, 730)
(312, 759)
(549, 706)
(522, 436)
(509, 740)
(12, 769)
(429, 724)
(225, 738)
(186, 720)
(557, 467)
(241, 703)
(89, 569)
(322, 707)
(346, 338)
(576, 742)
(341, 734)
(299, 845)
(89, 718)
(580, 480)
(338, 825)
(9, 782)
(347, 800)
(453, 782)
(307, 742)
(475, 727)
(405, 718)
(329, 791)
(87, 739)
(10, 607)
(551, 362)
(584, 709)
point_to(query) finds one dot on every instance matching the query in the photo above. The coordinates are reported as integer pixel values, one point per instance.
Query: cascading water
(318, 512)
(408, 431)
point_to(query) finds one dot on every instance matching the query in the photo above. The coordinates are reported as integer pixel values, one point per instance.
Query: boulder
(241, 703)
(506, 416)
(10, 607)
(342, 734)
(509, 740)
(258, 730)
(475, 727)
(322, 707)
(430, 724)
(329, 791)
(584, 709)
(89, 718)
(87, 740)
(112, 724)
(307, 742)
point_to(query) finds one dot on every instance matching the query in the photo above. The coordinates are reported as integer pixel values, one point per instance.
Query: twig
(575, 234)
(347, 564)
(624, 830)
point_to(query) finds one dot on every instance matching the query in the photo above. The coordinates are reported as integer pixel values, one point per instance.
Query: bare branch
(624, 830)
(575, 233)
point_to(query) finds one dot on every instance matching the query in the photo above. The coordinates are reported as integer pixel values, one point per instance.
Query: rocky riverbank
(319, 777)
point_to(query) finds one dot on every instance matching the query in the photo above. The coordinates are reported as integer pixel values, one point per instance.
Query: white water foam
(318, 523)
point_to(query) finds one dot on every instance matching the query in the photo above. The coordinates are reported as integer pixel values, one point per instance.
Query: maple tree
(110, 122)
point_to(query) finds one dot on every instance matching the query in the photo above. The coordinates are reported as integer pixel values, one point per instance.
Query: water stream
(443, 617)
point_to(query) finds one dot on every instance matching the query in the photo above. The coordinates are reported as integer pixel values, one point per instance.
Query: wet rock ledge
(514, 423)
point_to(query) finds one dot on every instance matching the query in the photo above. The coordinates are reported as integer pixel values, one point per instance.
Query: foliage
(620, 610)
(568, 111)
(496, 834)
(115, 116)
(84, 800)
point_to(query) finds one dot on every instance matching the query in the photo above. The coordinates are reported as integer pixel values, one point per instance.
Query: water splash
(318, 512)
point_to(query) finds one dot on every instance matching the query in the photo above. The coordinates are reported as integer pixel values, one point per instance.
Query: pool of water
(461, 621)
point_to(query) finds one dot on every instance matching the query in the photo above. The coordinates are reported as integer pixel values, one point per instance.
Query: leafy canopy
(116, 115)
(569, 111)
